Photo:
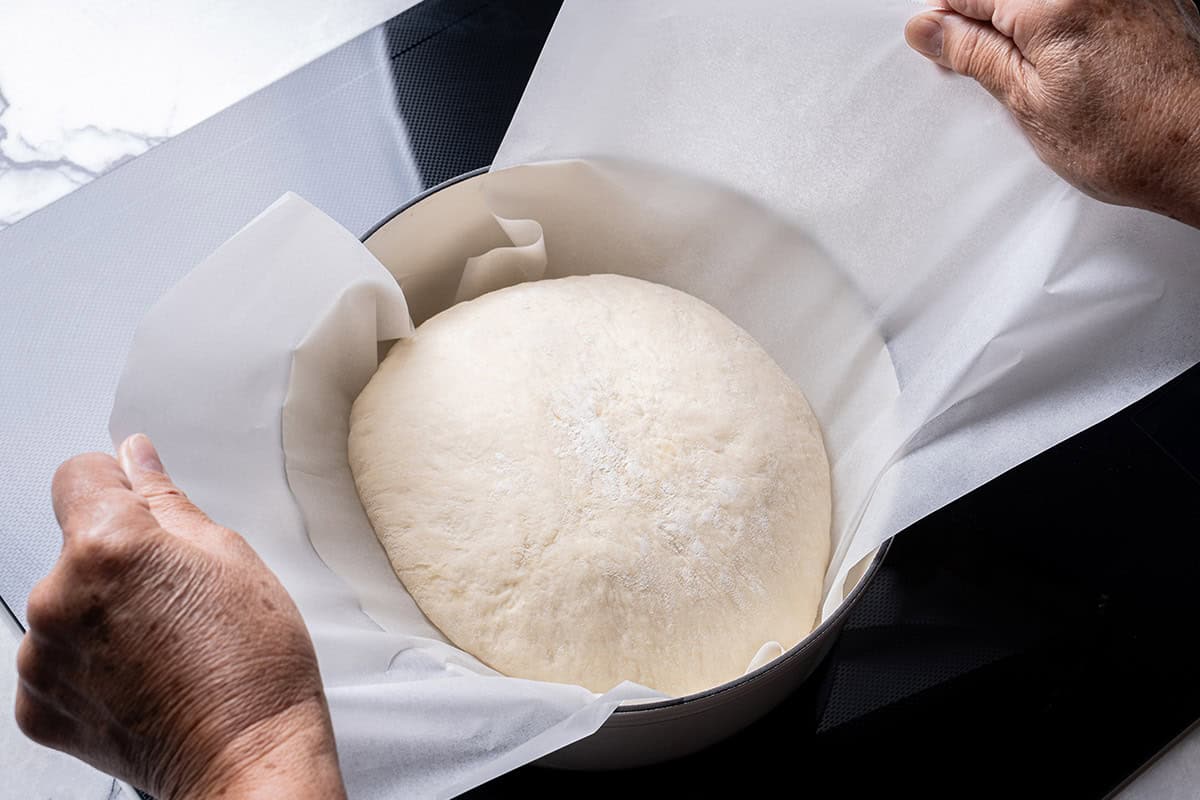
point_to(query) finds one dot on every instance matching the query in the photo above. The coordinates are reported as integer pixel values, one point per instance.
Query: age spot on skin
(93, 617)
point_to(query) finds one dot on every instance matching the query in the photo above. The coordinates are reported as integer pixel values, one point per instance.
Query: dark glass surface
(459, 68)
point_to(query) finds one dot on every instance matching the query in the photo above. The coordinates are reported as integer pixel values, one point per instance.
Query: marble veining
(35, 173)
(86, 85)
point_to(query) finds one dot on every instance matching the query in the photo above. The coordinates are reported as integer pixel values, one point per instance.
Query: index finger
(975, 9)
(91, 490)
(1013, 18)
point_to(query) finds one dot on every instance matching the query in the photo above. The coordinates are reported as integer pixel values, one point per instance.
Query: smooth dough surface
(594, 479)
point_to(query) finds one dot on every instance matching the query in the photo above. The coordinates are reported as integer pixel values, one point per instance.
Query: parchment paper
(746, 153)
(245, 372)
(207, 378)
(1016, 310)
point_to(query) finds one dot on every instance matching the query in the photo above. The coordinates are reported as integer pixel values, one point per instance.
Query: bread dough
(596, 479)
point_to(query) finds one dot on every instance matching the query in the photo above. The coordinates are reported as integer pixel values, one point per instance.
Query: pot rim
(833, 622)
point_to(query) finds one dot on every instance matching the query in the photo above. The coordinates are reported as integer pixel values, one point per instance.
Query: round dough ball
(596, 479)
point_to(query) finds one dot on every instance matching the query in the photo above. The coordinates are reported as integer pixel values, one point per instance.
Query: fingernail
(141, 451)
(924, 34)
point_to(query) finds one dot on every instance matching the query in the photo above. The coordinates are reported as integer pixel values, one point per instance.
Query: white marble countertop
(88, 84)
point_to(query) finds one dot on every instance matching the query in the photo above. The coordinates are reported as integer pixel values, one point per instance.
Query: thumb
(170, 506)
(969, 47)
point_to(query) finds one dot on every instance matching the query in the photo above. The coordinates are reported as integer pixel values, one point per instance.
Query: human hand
(1107, 91)
(162, 650)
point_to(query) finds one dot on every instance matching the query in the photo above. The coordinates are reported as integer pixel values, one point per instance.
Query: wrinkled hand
(1108, 91)
(163, 651)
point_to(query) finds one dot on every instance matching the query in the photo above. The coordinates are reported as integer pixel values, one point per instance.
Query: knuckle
(47, 663)
(43, 609)
(171, 502)
(28, 716)
(162, 489)
(77, 468)
(35, 668)
(976, 9)
(1064, 7)
(104, 509)
(29, 666)
(101, 552)
(82, 463)
(1058, 18)
(35, 721)
(113, 514)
